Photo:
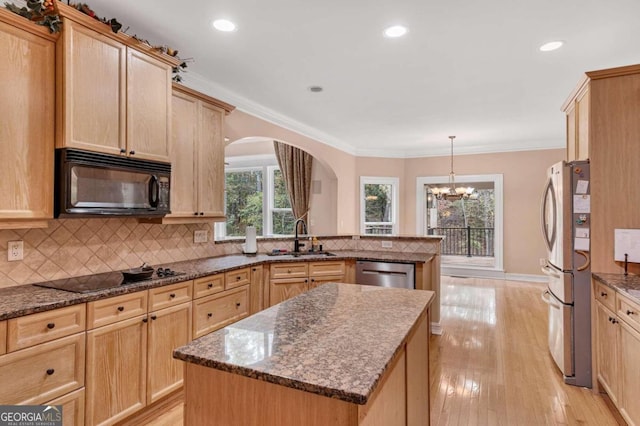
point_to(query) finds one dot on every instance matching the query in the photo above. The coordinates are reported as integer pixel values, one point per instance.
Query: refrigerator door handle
(550, 272)
(587, 259)
(549, 202)
(546, 297)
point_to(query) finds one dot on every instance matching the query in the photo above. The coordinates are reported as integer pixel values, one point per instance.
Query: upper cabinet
(197, 157)
(114, 93)
(577, 110)
(27, 109)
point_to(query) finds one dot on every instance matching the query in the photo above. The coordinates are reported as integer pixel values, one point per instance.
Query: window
(379, 205)
(255, 196)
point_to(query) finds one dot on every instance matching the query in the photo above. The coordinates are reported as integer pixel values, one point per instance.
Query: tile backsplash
(73, 247)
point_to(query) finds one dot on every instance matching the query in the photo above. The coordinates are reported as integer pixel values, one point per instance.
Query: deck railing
(466, 241)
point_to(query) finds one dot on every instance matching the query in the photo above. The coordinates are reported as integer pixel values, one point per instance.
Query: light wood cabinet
(285, 288)
(237, 278)
(629, 374)
(3, 337)
(113, 309)
(30, 330)
(116, 370)
(169, 328)
(128, 92)
(72, 407)
(577, 109)
(206, 286)
(287, 280)
(213, 312)
(170, 295)
(27, 108)
(197, 156)
(256, 296)
(607, 350)
(43, 372)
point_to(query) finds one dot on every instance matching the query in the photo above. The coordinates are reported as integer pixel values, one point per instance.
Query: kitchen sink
(302, 253)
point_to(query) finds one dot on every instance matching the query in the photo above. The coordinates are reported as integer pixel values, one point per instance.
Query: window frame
(395, 204)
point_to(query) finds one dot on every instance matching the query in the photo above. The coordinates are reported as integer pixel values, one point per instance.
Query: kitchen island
(340, 354)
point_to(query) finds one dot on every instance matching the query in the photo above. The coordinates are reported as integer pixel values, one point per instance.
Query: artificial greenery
(42, 12)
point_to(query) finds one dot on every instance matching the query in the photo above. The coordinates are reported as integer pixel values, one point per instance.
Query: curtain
(295, 165)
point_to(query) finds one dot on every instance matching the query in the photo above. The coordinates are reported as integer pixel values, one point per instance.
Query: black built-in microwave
(94, 184)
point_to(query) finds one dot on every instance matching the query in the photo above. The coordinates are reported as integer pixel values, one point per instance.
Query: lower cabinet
(218, 310)
(72, 407)
(286, 288)
(629, 374)
(607, 350)
(287, 280)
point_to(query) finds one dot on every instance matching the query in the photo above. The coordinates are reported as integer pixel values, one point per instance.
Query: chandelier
(453, 192)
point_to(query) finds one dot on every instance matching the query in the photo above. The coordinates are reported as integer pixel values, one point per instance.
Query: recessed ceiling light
(552, 45)
(224, 25)
(316, 89)
(395, 31)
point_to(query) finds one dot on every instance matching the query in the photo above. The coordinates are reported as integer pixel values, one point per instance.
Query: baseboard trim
(458, 271)
(527, 277)
(436, 328)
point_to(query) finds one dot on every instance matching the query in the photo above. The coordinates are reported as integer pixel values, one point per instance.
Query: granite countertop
(336, 340)
(628, 285)
(28, 299)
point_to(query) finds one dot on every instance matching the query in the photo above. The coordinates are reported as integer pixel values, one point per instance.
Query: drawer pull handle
(238, 277)
(50, 371)
(210, 285)
(153, 317)
(288, 271)
(603, 294)
(145, 319)
(254, 269)
(120, 308)
(51, 325)
(172, 295)
(237, 304)
(209, 315)
(630, 312)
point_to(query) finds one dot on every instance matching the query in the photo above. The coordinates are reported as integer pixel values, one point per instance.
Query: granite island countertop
(628, 285)
(28, 299)
(336, 340)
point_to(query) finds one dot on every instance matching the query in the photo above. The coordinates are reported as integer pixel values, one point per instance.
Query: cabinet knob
(51, 325)
(306, 280)
(630, 312)
(50, 371)
(254, 269)
(145, 319)
(603, 294)
(614, 321)
(238, 278)
(172, 295)
(210, 285)
(123, 151)
(120, 308)
(132, 152)
(237, 304)
(209, 315)
(288, 271)
(195, 213)
(201, 213)
(153, 317)
(313, 280)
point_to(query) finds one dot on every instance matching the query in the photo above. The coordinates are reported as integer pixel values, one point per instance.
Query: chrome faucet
(296, 242)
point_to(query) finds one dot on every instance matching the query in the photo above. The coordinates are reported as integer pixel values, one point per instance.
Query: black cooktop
(97, 282)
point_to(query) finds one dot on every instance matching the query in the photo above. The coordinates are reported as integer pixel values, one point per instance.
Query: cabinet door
(72, 407)
(583, 107)
(571, 132)
(93, 94)
(315, 282)
(148, 107)
(256, 298)
(629, 374)
(26, 124)
(168, 329)
(286, 288)
(116, 371)
(213, 312)
(211, 161)
(607, 350)
(183, 156)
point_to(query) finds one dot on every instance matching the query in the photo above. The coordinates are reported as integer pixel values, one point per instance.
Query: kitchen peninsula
(340, 354)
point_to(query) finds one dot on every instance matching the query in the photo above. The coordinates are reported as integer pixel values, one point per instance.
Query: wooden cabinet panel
(418, 374)
(43, 372)
(237, 278)
(605, 295)
(628, 311)
(607, 350)
(108, 311)
(93, 78)
(3, 337)
(288, 270)
(168, 329)
(583, 110)
(629, 374)
(286, 288)
(211, 161)
(206, 286)
(27, 108)
(43, 327)
(148, 107)
(72, 408)
(571, 132)
(326, 268)
(214, 312)
(116, 371)
(256, 298)
(315, 282)
(170, 295)
(184, 125)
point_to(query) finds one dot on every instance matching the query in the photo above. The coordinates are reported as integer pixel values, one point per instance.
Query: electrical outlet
(387, 244)
(15, 250)
(200, 236)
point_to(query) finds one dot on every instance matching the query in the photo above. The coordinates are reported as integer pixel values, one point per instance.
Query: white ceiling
(466, 68)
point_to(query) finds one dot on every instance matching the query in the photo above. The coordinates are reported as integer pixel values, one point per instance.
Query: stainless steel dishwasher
(386, 274)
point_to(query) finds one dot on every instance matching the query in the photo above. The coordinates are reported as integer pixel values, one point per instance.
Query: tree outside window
(379, 200)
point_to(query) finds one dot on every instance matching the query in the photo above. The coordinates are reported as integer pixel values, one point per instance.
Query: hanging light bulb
(452, 192)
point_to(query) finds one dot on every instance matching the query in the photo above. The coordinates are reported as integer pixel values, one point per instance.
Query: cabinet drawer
(43, 327)
(605, 295)
(214, 312)
(3, 337)
(327, 268)
(43, 372)
(237, 278)
(114, 309)
(206, 286)
(72, 407)
(171, 295)
(315, 282)
(288, 270)
(628, 311)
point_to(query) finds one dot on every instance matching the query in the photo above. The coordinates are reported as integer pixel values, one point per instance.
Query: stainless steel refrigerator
(566, 218)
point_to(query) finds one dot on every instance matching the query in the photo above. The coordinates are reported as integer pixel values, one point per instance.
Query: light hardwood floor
(491, 365)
